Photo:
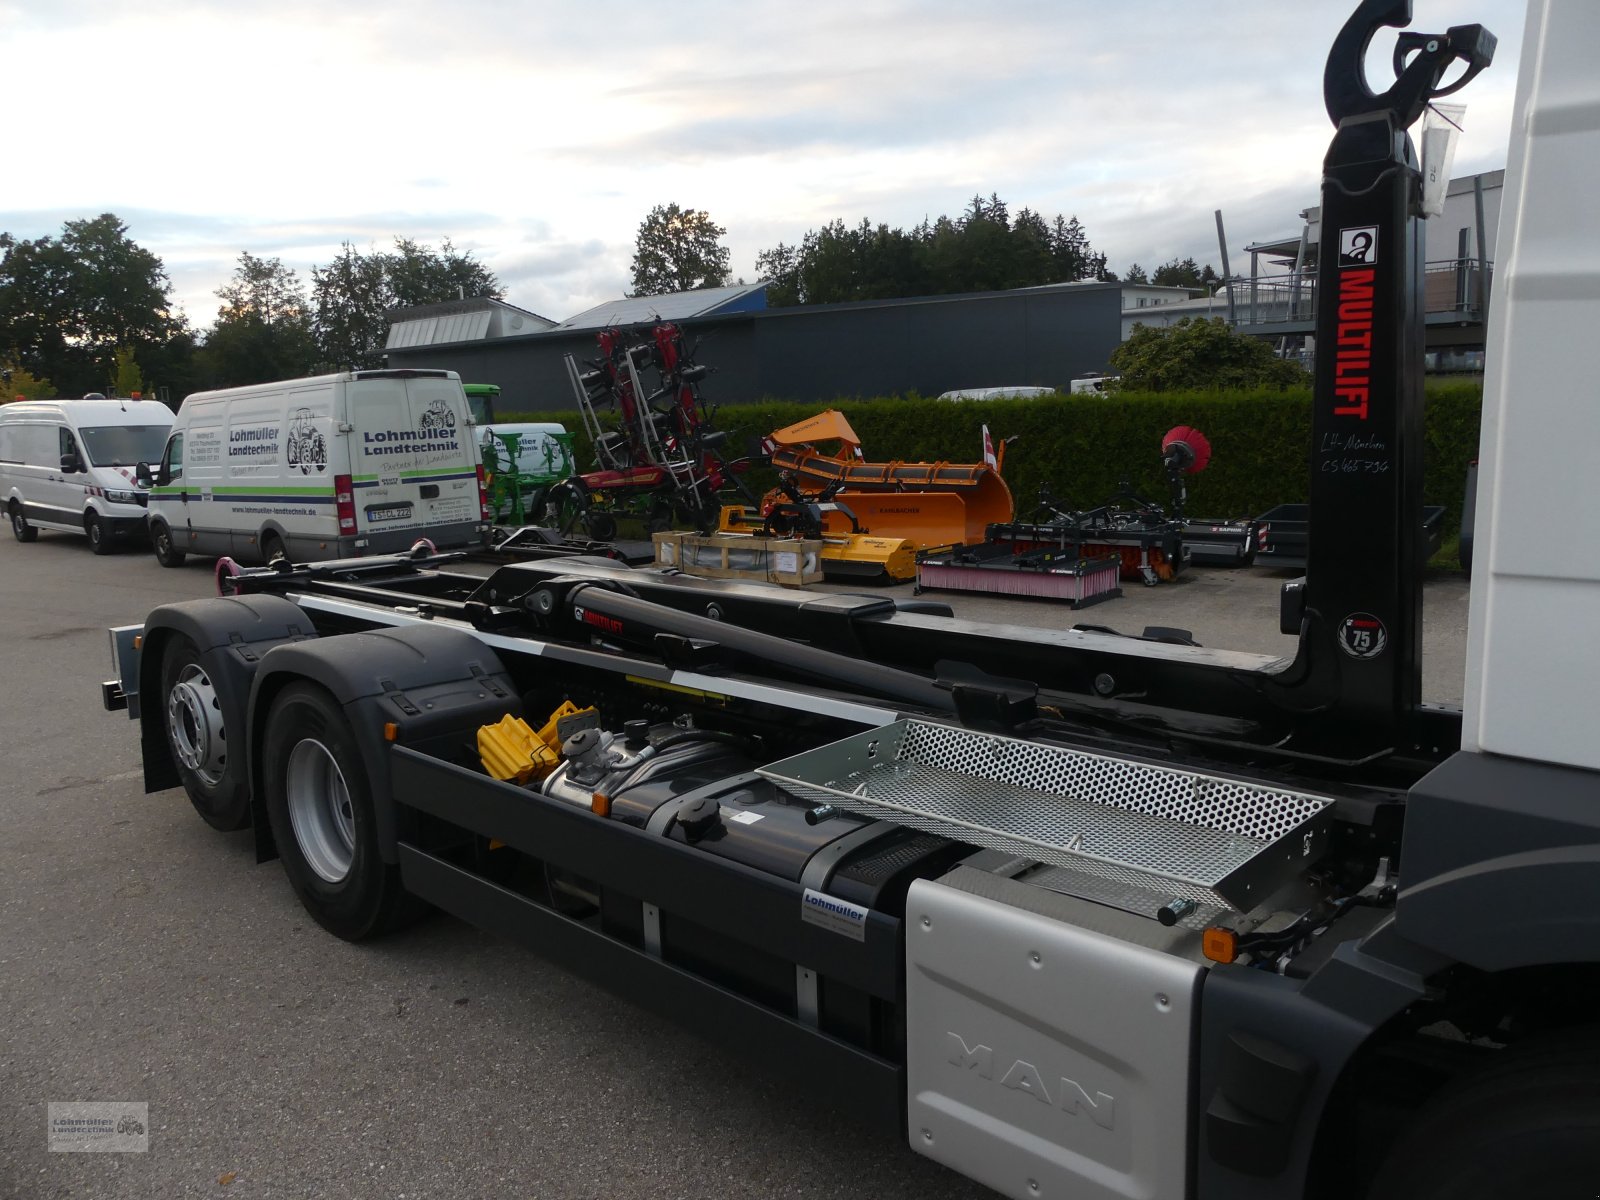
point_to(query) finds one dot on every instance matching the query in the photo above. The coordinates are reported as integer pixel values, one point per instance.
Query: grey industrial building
(816, 353)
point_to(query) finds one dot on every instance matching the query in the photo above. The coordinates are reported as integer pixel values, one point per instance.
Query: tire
(20, 529)
(660, 518)
(323, 820)
(566, 507)
(1528, 1124)
(602, 526)
(193, 720)
(167, 554)
(272, 548)
(101, 540)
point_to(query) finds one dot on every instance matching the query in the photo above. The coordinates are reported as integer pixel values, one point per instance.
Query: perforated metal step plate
(1215, 840)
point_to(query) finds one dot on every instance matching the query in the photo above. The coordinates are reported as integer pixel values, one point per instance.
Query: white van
(335, 466)
(70, 465)
(1020, 392)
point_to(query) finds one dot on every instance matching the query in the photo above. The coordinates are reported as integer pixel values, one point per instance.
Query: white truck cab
(70, 465)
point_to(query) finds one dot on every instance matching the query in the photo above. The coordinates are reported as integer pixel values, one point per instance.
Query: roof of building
(471, 320)
(673, 306)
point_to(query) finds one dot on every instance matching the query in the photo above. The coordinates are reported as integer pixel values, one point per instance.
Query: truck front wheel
(321, 811)
(1528, 1124)
(197, 734)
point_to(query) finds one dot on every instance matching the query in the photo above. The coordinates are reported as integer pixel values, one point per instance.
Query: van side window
(69, 444)
(172, 460)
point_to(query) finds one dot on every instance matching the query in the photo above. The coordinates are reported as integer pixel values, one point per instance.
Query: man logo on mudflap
(307, 448)
(437, 416)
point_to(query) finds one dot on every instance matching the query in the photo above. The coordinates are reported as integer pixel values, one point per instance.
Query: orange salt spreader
(872, 517)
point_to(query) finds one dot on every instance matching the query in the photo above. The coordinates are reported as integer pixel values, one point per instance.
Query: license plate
(389, 512)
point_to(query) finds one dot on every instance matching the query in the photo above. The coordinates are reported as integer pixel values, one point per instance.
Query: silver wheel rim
(194, 725)
(320, 810)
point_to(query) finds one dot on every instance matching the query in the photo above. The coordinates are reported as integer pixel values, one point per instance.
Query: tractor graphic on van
(307, 449)
(437, 417)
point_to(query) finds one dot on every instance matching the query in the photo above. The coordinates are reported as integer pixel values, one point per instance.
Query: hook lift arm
(1344, 82)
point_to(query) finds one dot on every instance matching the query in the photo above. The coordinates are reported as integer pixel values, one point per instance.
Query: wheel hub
(194, 725)
(320, 810)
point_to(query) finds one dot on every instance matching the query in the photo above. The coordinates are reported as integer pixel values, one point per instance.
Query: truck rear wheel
(1528, 1124)
(323, 820)
(20, 528)
(197, 734)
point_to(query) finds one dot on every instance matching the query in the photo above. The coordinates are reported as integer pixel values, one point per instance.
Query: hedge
(1084, 446)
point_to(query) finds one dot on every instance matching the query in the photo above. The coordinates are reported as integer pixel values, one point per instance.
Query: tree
(352, 295)
(420, 275)
(351, 301)
(1136, 274)
(1074, 258)
(1200, 354)
(68, 303)
(17, 384)
(1186, 273)
(263, 329)
(984, 249)
(780, 267)
(126, 378)
(678, 250)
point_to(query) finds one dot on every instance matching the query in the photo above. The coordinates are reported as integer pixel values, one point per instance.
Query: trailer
(1072, 913)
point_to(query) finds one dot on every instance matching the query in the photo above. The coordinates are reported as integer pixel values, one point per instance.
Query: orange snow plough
(872, 516)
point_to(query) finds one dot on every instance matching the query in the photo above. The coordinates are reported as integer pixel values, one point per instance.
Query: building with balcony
(1278, 299)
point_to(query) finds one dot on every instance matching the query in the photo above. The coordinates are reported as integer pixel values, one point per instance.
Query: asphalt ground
(144, 957)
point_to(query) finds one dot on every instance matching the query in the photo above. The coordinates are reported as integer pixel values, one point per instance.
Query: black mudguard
(232, 633)
(436, 685)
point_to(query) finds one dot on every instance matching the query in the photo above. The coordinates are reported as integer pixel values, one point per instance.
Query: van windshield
(124, 445)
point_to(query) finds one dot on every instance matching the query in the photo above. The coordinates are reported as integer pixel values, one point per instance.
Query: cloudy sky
(537, 134)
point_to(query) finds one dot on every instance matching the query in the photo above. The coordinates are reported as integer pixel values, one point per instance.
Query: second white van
(335, 466)
(70, 465)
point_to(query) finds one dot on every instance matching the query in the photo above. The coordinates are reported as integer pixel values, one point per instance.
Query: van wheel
(167, 554)
(100, 539)
(323, 820)
(197, 734)
(272, 548)
(19, 524)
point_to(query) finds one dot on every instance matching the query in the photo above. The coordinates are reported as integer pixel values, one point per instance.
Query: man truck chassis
(1074, 913)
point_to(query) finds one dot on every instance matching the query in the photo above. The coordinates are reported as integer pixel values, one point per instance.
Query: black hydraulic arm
(1361, 648)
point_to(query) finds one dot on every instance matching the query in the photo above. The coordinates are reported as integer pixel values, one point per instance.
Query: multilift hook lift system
(1076, 914)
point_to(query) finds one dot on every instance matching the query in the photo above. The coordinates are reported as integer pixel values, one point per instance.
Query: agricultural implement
(872, 517)
(657, 456)
(520, 468)
(1147, 539)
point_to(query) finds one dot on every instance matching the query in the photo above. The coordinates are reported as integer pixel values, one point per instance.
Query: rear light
(344, 502)
(483, 496)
